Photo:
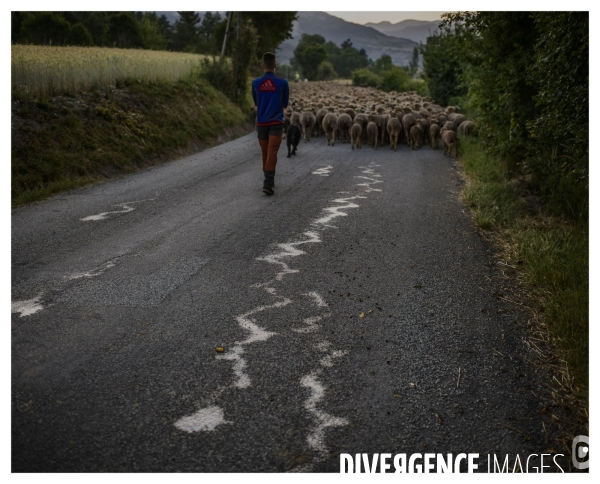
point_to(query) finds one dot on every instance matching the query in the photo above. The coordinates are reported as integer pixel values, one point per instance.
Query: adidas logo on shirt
(267, 85)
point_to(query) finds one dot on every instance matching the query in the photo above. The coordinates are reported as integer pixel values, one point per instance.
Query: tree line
(321, 60)
(525, 77)
(192, 32)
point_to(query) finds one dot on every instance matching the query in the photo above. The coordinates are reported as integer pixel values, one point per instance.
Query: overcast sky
(393, 17)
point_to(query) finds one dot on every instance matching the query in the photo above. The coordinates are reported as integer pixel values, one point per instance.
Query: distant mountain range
(415, 30)
(396, 40)
(337, 30)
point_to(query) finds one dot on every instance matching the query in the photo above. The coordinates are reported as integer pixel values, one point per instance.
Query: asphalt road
(123, 291)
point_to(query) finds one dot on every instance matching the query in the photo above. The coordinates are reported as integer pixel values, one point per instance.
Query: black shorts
(273, 130)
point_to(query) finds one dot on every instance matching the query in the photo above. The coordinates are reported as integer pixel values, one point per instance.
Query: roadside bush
(393, 79)
(230, 76)
(398, 79)
(326, 72)
(365, 77)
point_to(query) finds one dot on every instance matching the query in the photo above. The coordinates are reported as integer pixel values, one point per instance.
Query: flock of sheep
(357, 114)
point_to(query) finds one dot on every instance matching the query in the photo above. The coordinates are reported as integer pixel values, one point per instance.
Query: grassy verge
(68, 141)
(550, 254)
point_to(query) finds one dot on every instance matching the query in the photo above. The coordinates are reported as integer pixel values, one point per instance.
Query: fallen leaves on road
(220, 349)
(361, 315)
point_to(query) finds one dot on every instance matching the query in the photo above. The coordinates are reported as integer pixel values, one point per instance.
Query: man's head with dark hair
(268, 61)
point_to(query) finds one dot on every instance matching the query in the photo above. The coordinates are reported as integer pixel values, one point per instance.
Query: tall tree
(16, 22)
(207, 32)
(499, 48)
(165, 25)
(79, 35)
(97, 25)
(272, 27)
(309, 54)
(413, 65)
(443, 64)
(382, 64)
(185, 36)
(45, 28)
(123, 31)
(151, 32)
(348, 59)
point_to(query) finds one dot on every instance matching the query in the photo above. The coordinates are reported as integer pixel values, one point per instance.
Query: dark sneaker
(268, 190)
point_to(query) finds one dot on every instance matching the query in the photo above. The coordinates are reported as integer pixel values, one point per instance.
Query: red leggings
(269, 145)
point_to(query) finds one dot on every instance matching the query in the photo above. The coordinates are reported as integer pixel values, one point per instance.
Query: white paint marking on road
(287, 250)
(316, 439)
(94, 272)
(204, 419)
(257, 333)
(235, 354)
(336, 211)
(369, 178)
(126, 209)
(323, 346)
(103, 215)
(26, 308)
(323, 171)
(372, 175)
(323, 421)
(310, 323)
(327, 361)
(369, 189)
(319, 301)
(242, 380)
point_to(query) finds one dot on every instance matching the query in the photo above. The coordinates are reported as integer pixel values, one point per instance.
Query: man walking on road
(271, 96)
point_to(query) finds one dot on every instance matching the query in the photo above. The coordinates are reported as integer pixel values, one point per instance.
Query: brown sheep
(408, 121)
(319, 120)
(307, 121)
(355, 132)
(394, 128)
(372, 134)
(344, 125)
(330, 125)
(457, 118)
(465, 128)
(351, 112)
(434, 136)
(450, 142)
(363, 120)
(416, 135)
(378, 120)
(450, 125)
(425, 125)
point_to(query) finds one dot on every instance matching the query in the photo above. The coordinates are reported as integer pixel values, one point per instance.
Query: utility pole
(229, 19)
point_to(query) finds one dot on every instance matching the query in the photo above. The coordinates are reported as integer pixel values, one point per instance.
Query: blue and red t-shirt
(271, 94)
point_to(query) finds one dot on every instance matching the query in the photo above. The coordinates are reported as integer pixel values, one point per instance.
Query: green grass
(552, 254)
(67, 142)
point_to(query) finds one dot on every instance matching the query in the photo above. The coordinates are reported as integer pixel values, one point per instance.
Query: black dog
(293, 136)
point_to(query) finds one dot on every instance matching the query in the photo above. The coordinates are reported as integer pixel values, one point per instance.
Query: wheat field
(46, 70)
